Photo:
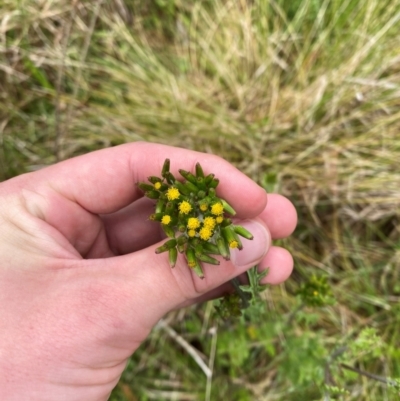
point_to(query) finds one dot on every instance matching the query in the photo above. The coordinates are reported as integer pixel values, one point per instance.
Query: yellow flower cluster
(193, 217)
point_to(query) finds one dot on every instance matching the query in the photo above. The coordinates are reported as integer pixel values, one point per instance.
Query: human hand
(80, 284)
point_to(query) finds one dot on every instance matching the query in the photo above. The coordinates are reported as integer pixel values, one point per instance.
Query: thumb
(159, 289)
(253, 250)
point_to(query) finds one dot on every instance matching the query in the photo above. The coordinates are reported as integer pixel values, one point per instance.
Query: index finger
(105, 181)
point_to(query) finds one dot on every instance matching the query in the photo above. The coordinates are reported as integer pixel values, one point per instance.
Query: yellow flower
(191, 233)
(205, 233)
(191, 263)
(217, 209)
(157, 185)
(193, 223)
(203, 207)
(233, 244)
(219, 219)
(173, 193)
(166, 219)
(185, 207)
(209, 222)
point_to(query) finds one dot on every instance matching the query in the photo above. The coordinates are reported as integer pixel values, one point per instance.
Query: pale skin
(80, 284)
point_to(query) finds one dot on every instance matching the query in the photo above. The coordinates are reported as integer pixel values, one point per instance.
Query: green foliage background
(303, 96)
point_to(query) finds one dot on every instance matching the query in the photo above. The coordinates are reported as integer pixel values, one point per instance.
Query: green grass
(303, 96)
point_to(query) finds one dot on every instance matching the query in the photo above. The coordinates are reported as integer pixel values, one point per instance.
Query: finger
(130, 229)
(279, 263)
(127, 228)
(144, 285)
(280, 216)
(105, 181)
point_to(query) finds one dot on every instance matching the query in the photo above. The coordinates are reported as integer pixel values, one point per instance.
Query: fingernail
(253, 250)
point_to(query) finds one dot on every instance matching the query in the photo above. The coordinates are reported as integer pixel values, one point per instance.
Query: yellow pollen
(233, 244)
(173, 193)
(191, 263)
(209, 222)
(315, 293)
(185, 207)
(217, 209)
(166, 219)
(191, 233)
(219, 219)
(157, 185)
(193, 223)
(205, 233)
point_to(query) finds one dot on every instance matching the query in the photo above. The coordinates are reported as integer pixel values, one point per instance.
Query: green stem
(243, 296)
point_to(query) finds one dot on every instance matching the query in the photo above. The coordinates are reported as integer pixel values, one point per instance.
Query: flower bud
(193, 263)
(169, 208)
(208, 259)
(223, 248)
(182, 188)
(153, 179)
(228, 208)
(191, 187)
(182, 239)
(188, 176)
(166, 246)
(170, 178)
(145, 187)
(231, 237)
(199, 171)
(165, 168)
(172, 256)
(169, 231)
(201, 194)
(152, 194)
(156, 216)
(214, 183)
(242, 232)
(160, 206)
(208, 179)
(209, 247)
(226, 222)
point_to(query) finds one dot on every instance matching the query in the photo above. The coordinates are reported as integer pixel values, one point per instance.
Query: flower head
(191, 263)
(219, 219)
(209, 222)
(157, 185)
(191, 233)
(233, 244)
(193, 223)
(185, 207)
(166, 219)
(217, 209)
(205, 233)
(203, 206)
(173, 193)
